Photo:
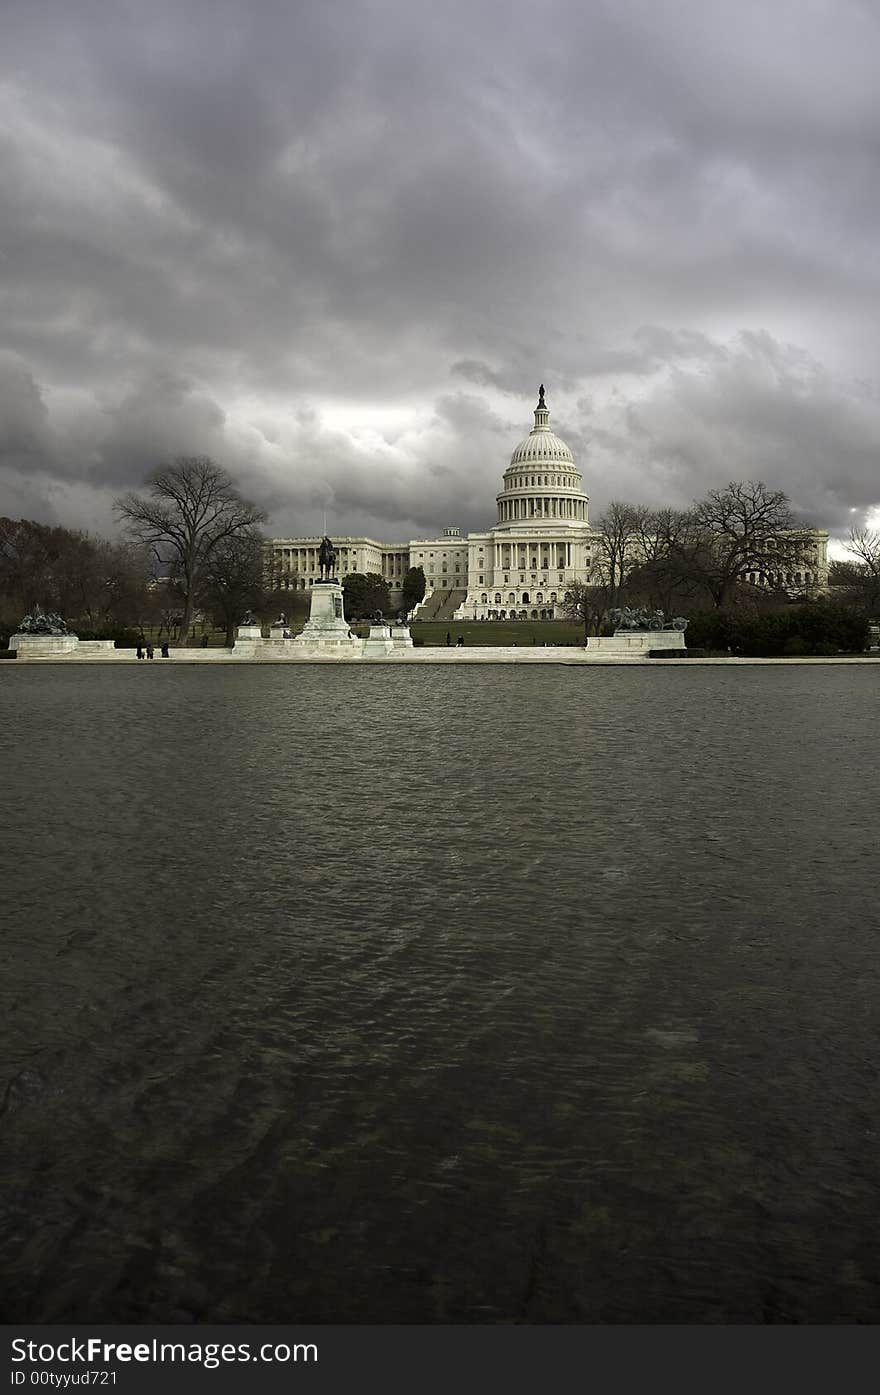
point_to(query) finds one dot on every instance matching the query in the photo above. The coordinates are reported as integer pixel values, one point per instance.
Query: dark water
(440, 995)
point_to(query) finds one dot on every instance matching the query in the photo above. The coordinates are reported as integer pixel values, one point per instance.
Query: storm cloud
(337, 247)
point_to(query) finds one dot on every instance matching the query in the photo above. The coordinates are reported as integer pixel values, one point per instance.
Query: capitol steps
(430, 608)
(441, 605)
(449, 605)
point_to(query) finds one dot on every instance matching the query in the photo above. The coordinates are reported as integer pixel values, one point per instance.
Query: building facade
(541, 542)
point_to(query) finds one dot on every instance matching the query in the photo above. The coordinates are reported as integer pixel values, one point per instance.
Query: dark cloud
(287, 235)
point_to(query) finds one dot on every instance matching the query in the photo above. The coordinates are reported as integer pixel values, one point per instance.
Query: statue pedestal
(326, 627)
(248, 640)
(30, 646)
(401, 637)
(379, 641)
(636, 643)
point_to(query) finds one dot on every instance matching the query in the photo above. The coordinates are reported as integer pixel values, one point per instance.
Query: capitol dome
(542, 444)
(542, 480)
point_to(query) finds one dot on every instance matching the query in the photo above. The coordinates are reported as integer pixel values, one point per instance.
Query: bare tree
(587, 603)
(619, 526)
(233, 579)
(663, 550)
(192, 507)
(85, 579)
(864, 545)
(743, 528)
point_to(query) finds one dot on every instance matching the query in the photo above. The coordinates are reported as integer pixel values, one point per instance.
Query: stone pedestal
(42, 646)
(401, 637)
(378, 641)
(248, 640)
(96, 648)
(326, 628)
(636, 643)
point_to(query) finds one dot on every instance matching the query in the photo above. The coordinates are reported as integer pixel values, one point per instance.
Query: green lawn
(494, 632)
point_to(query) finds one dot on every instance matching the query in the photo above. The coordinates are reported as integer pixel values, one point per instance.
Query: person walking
(204, 641)
(140, 652)
(149, 651)
(164, 652)
(448, 637)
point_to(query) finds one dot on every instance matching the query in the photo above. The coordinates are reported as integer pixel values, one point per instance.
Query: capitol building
(542, 541)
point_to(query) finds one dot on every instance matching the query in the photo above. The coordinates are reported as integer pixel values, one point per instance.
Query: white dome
(541, 446)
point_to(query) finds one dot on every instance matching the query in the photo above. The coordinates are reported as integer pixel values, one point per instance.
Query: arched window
(484, 598)
(534, 615)
(553, 597)
(525, 596)
(540, 598)
(511, 598)
(497, 597)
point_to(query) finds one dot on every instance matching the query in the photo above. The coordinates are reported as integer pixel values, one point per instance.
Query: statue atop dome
(541, 402)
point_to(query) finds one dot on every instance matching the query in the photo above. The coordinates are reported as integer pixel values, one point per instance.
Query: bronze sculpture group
(626, 619)
(41, 622)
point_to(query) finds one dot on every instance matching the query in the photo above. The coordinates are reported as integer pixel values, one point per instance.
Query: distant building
(542, 540)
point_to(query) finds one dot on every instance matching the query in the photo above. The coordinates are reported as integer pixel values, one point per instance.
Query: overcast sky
(337, 245)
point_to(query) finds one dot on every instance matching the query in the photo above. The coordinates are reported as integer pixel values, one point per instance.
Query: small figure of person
(140, 652)
(448, 637)
(459, 643)
(164, 652)
(204, 641)
(149, 651)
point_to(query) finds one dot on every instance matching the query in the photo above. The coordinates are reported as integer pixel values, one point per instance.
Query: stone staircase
(430, 605)
(450, 605)
(441, 605)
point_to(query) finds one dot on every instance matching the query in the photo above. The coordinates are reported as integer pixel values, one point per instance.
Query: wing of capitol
(519, 569)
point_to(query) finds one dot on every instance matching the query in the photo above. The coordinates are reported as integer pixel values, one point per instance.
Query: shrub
(810, 627)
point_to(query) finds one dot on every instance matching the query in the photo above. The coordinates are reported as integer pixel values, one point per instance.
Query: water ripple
(440, 995)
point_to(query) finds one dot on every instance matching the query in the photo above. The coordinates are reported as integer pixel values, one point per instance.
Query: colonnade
(545, 506)
(530, 555)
